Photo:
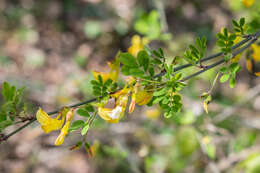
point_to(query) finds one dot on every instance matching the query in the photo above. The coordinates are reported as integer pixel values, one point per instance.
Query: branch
(252, 38)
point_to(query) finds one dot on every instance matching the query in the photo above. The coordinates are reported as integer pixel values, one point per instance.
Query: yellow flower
(139, 96)
(143, 97)
(138, 44)
(49, 124)
(65, 129)
(113, 74)
(205, 105)
(253, 62)
(256, 52)
(115, 114)
(248, 3)
(92, 149)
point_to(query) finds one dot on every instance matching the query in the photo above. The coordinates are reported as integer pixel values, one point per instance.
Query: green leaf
(228, 56)
(76, 125)
(168, 114)
(232, 82)
(82, 112)
(242, 21)
(225, 31)
(4, 124)
(224, 69)
(8, 91)
(156, 61)
(94, 82)
(128, 60)
(224, 78)
(232, 37)
(89, 108)
(235, 23)
(220, 36)
(136, 72)
(125, 70)
(151, 71)
(160, 92)
(235, 67)
(143, 59)
(158, 99)
(85, 129)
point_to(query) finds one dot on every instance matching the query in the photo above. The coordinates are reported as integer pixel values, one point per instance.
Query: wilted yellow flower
(114, 115)
(256, 52)
(205, 105)
(92, 149)
(143, 97)
(252, 64)
(248, 3)
(49, 124)
(65, 129)
(139, 97)
(113, 74)
(138, 44)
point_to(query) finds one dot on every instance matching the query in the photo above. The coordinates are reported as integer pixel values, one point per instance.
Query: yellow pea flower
(205, 105)
(143, 97)
(133, 97)
(113, 74)
(49, 124)
(248, 3)
(256, 52)
(253, 62)
(115, 114)
(139, 97)
(65, 129)
(138, 44)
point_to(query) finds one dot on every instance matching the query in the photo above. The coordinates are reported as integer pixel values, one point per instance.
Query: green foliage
(225, 42)
(230, 72)
(195, 52)
(13, 105)
(143, 66)
(84, 111)
(239, 26)
(167, 97)
(76, 125)
(101, 88)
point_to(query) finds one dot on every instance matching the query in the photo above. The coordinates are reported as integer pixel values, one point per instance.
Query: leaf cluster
(84, 111)
(167, 97)
(12, 106)
(195, 52)
(229, 73)
(225, 42)
(144, 65)
(101, 88)
(239, 26)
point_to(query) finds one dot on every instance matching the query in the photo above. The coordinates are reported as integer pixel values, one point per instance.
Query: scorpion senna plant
(150, 79)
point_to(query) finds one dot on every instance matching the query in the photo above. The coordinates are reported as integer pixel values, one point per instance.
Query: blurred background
(52, 46)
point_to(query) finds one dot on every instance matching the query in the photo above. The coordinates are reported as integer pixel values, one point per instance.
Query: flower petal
(48, 124)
